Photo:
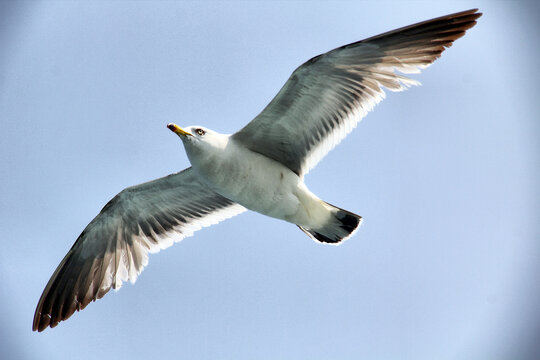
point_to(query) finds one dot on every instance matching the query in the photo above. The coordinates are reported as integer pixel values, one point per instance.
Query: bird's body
(255, 181)
(238, 173)
(261, 167)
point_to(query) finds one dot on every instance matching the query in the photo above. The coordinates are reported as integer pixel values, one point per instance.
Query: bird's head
(199, 139)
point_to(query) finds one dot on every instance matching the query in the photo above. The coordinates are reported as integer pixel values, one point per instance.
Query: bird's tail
(341, 226)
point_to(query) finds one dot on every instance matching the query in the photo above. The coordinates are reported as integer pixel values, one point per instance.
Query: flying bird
(260, 168)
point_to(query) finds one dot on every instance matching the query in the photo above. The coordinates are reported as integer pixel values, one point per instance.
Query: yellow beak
(178, 130)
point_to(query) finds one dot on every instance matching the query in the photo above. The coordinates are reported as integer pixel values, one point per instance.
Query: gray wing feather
(114, 247)
(324, 98)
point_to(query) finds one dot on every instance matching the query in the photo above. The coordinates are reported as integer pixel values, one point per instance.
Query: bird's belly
(257, 183)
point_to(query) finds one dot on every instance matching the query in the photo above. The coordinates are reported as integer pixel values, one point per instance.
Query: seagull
(260, 168)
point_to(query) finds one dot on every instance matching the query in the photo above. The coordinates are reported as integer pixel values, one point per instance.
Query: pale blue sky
(445, 175)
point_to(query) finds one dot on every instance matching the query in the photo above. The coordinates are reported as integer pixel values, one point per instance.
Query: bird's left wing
(324, 98)
(114, 247)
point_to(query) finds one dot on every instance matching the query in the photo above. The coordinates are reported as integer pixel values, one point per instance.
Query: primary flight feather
(261, 167)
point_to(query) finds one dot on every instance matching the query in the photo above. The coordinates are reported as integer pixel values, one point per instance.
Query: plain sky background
(445, 266)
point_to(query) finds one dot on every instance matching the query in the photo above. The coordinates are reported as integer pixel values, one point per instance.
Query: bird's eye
(200, 132)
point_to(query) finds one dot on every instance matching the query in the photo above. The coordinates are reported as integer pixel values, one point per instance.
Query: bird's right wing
(324, 98)
(114, 247)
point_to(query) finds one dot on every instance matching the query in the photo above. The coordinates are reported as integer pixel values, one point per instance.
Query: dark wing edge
(114, 247)
(325, 98)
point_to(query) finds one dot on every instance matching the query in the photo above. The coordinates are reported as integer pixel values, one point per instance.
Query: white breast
(252, 180)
